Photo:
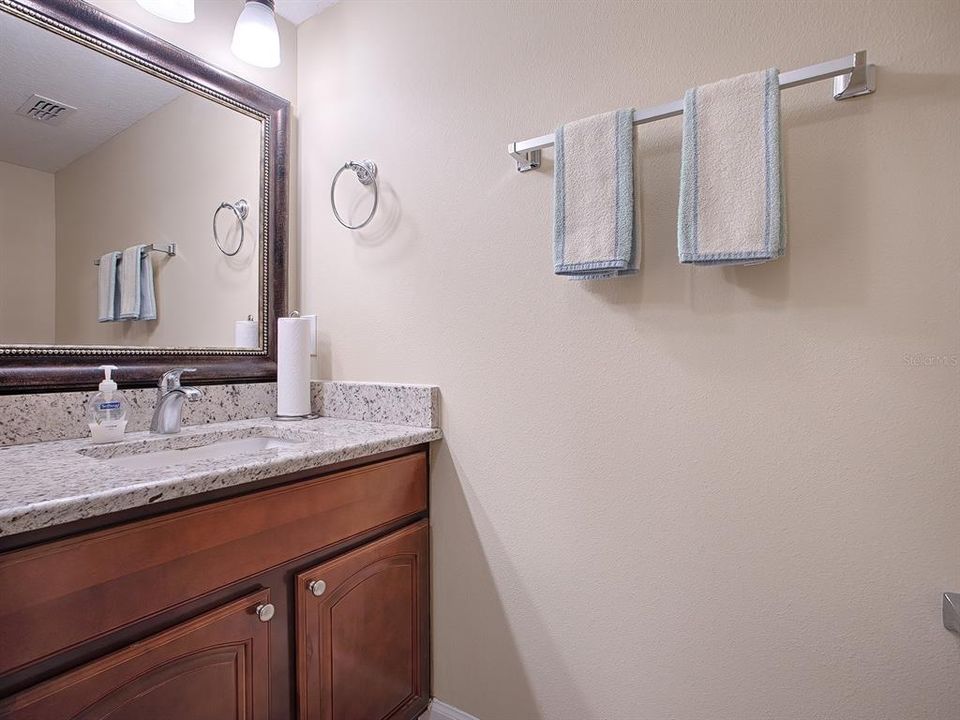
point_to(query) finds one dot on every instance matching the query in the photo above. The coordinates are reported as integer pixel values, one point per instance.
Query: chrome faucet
(168, 414)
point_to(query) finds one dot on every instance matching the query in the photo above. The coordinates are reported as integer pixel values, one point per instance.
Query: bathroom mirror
(142, 205)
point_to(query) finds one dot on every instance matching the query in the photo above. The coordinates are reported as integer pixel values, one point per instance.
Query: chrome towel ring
(241, 208)
(366, 171)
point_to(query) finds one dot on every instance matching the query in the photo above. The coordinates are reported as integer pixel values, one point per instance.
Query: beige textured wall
(708, 493)
(209, 37)
(27, 237)
(155, 183)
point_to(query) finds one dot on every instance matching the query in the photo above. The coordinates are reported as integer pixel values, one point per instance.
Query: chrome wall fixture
(951, 611)
(366, 171)
(853, 77)
(170, 250)
(241, 208)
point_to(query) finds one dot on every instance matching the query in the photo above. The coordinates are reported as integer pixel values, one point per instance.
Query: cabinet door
(213, 667)
(363, 631)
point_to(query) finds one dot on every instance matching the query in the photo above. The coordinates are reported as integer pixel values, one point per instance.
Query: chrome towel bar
(170, 250)
(852, 77)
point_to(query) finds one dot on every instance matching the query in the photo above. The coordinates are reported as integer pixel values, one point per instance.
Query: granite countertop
(50, 483)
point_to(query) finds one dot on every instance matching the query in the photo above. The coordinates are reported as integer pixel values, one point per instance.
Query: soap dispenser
(107, 410)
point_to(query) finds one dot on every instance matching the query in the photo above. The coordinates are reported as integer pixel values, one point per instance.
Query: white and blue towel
(731, 193)
(593, 234)
(137, 299)
(108, 299)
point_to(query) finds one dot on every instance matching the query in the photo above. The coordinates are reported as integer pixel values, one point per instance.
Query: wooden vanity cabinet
(363, 628)
(213, 667)
(304, 599)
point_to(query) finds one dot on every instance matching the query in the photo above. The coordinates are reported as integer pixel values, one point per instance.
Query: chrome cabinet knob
(317, 587)
(266, 612)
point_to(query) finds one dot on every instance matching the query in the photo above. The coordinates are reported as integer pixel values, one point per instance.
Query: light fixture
(178, 11)
(256, 39)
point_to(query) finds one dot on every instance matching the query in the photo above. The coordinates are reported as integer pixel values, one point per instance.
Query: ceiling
(109, 95)
(296, 11)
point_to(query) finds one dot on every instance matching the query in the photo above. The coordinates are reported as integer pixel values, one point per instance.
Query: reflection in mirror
(96, 157)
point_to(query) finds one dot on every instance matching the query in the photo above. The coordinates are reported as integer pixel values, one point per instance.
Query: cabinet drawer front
(363, 623)
(215, 666)
(64, 593)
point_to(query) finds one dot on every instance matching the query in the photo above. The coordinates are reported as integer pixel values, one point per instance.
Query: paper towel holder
(291, 418)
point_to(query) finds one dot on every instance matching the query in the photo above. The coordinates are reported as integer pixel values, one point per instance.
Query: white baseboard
(441, 711)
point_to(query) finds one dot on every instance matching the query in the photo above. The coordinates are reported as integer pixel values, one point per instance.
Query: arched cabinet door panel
(363, 631)
(212, 667)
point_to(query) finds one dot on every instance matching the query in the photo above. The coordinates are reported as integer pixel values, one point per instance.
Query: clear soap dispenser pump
(107, 410)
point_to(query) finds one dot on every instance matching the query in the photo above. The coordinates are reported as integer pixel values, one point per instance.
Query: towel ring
(366, 171)
(241, 208)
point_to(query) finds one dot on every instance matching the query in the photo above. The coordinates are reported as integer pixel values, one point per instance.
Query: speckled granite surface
(62, 416)
(417, 405)
(50, 483)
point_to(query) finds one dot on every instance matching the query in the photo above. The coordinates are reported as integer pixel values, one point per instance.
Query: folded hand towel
(108, 300)
(148, 298)
(593, 197)
(731, 195)
(137, 300)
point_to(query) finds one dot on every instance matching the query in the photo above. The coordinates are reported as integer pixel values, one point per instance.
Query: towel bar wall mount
(852, 77)
(951, 611)
(170, 249)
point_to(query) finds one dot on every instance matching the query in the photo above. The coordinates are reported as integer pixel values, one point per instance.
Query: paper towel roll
(293, 366)
(246, 334)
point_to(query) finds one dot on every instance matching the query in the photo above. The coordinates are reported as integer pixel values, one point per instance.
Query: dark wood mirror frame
(51, 368)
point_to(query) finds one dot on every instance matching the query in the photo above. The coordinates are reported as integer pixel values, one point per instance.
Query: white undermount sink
(144, 458)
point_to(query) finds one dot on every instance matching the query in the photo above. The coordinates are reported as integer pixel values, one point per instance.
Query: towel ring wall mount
(366, 171)
(241, 208)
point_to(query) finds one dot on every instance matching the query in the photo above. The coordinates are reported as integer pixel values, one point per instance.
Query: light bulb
(256, 39)
(178, 11)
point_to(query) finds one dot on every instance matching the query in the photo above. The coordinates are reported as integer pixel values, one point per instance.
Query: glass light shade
(178, 11)
(256, 39)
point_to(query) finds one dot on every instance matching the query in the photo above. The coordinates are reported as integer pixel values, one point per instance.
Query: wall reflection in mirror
(98, 157)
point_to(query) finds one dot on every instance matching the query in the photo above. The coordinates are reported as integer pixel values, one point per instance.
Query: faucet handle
(170, 380)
